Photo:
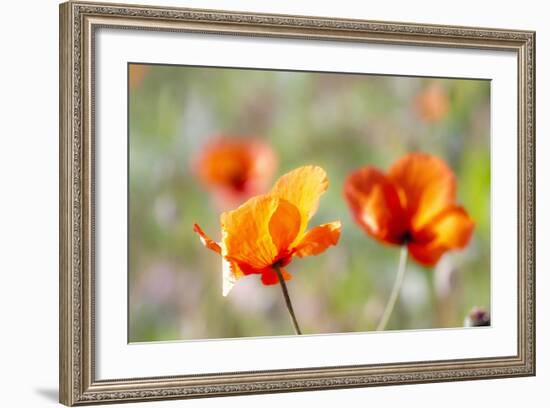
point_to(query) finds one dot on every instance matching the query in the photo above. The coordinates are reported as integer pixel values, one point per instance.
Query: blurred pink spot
(159, 283)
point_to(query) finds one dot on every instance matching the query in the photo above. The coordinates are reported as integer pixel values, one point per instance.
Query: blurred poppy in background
(432, 103)
(235, 169)
(413, 204)
(265, 233)
(136, 74)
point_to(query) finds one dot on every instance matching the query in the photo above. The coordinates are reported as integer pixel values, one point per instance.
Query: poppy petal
(284, 225)
(225, 163)
(136, 74)
(302, 187)
(230, 274)
(432, 104)
(206, 241)
(265, 163)
(318, 239)
(236, 165)
(269, 276)
(375, 204)
(427, 186)
(245, 232)
(452, 229)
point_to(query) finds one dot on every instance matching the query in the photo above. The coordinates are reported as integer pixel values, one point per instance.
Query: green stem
(287, 300)
(395, 290)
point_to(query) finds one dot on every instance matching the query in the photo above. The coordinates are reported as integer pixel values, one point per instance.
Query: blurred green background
(337, 121)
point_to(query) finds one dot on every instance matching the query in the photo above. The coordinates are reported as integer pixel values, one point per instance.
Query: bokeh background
(337, 121)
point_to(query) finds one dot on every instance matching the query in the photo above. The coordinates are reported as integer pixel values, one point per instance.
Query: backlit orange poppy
(235, 168)
(432, 104)
(412, 204)
(267, 231)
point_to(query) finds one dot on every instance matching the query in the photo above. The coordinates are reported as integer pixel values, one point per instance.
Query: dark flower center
(405, 238)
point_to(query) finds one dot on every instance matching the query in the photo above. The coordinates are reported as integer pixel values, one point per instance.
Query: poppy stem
(287, 300)
(395, 290)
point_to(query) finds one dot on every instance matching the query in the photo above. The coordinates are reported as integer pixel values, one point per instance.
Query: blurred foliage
(337, 121)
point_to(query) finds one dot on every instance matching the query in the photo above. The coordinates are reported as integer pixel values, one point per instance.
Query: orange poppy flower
(269, 230)
(412, 204)
(236, 168)
(136, 74)
(432, 104)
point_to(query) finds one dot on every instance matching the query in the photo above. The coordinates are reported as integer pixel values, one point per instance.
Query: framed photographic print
(256, 203)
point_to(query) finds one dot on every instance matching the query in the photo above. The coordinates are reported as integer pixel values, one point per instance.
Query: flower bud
(477, 317)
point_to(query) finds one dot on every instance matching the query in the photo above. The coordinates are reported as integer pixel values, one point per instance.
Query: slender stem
(287, 300)
(395, 290)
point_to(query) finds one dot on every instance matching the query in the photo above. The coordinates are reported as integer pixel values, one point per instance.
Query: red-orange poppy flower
(432, 103)
(236, 168)
(269, 230)
(412, 204)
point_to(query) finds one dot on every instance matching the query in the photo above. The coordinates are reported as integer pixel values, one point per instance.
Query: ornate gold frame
(78, 22)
